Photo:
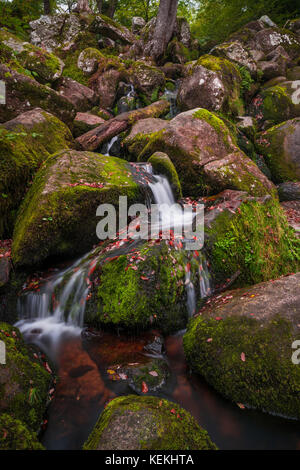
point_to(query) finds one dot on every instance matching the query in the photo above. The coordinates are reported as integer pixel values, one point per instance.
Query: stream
(53, 319)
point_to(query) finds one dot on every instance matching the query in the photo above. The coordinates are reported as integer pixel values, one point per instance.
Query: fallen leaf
(153, 373)
(243, 357)
(144, 387)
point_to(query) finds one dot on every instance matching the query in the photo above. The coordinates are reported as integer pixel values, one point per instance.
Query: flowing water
(53, 319)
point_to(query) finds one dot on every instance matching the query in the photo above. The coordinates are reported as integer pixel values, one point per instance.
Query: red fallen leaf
(144, 387)
(218, 318)
(209, 340)
(144, 278)
(46, 365)
(241, 406)
(188, 267)
(4, 435)
(160, 403)
(243, 357)
(173, 411)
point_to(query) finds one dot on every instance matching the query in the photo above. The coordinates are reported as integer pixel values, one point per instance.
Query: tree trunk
(82, 6)
(100, 5)
(164, 27)
(47, 7)
(112, 8)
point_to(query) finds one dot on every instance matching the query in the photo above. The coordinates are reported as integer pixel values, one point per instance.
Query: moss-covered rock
(250, 237)
(138, 423)
(140, 134)
(162, 164)
(206, 156)
(88, 60)
(147, 80)
(242, 345)
(24, 93)
(25, 143)
(24, 382)
(58, 215)
(212, 83)
(43, 65)
(280, 147)
(111, 29)
(15, 435)
(84, 122)
(276, 104)
(141, 289)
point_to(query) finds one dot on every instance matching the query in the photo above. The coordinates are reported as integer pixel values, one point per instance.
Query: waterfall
(57, 308)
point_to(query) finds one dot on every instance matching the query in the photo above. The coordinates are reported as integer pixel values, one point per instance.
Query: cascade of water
(57, 309)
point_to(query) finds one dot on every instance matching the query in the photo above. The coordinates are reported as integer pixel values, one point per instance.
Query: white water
(57, 309)
(110, 144)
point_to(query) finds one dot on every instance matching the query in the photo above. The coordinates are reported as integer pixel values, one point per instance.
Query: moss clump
(15, 435)
(276, 144)
(267, 379)
(256, 241)
(23, 149)
(162, 164)
(140, 423)
(24, 382)
(148, 293)
(58, 215)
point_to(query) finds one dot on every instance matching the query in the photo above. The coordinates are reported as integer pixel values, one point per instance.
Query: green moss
(162, 164)
(267, 379)
(22, 152)
(57, 216)
(161, 429)
(218, 124)
(153, 294)
(21, 378)
(14, 435)
(256, 241)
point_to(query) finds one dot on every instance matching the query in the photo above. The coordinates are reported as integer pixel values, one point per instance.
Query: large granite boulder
(81, 97)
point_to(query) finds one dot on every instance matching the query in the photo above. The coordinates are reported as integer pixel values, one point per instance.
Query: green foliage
(212, 28)
(16, 15)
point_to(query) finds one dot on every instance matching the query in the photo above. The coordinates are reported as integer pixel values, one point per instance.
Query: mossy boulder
(249, 237)
(88, 60)
(84, 122)
(24, 381)
(162, 164)
(58, 215)
(177, 52)
(212, 83)
(141, 289)
(206, 156)
(43, 65)
(276, 104)
(24, 93)
(147, 80)
(242, 345)
(80, 96)
(139, 423)
(15, 435)
(140, 135)
(280, 147)
(25, 143)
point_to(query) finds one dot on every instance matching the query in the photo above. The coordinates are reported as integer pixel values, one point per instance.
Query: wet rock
(68, 190)
(213, 84)
(88, 60)
(173, 71)
(242, 345)
(156, 346)
(109, 28)
(147, 423)
(37, 135)
(80, 96)
(289, 191)
(247, 125)
(126, 104)
(280, 147)
(106, 85)
(24, 381)
(162, 165)
(24, 93)
(84, 122)
(5, 268)
(205, 155)
(137, 24)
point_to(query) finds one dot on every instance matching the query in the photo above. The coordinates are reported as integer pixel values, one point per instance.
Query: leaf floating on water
(144, 387)
(243, 357)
